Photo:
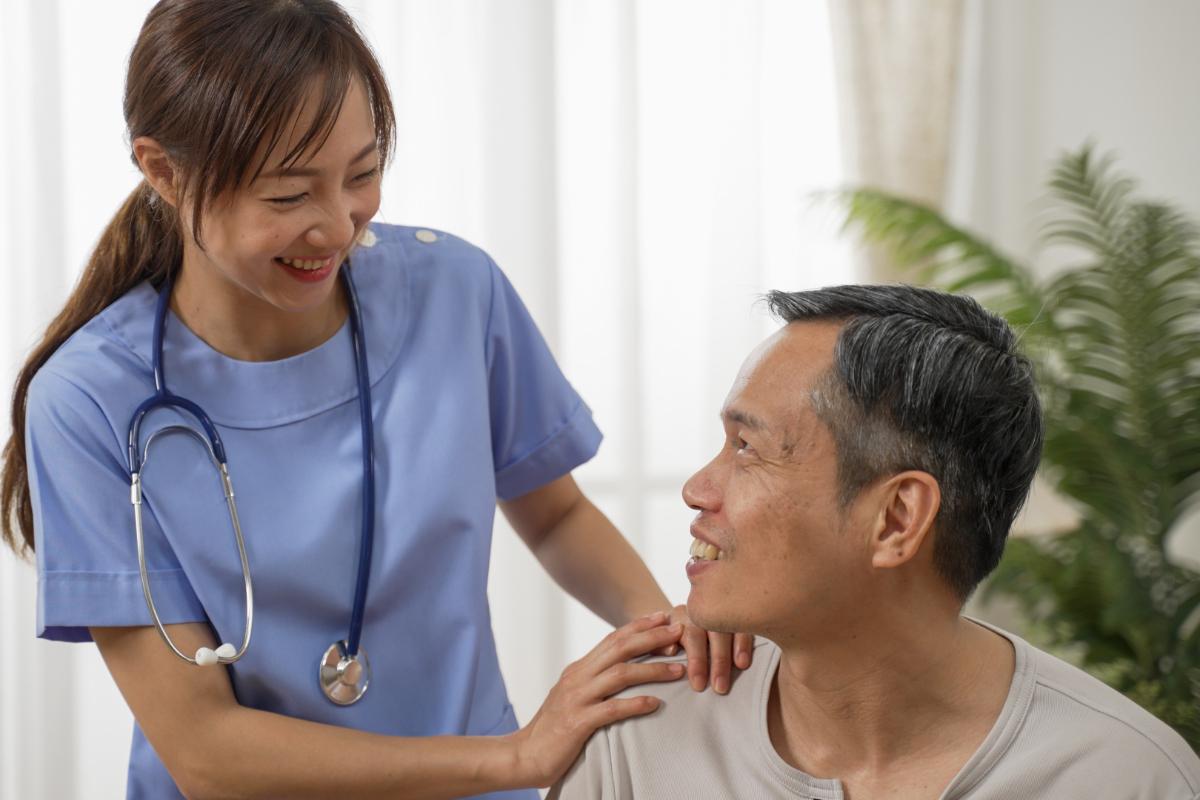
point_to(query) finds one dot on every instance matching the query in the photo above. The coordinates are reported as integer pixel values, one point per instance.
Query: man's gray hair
(929, 381)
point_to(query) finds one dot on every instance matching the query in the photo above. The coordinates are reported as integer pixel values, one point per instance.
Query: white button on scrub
(428, 237)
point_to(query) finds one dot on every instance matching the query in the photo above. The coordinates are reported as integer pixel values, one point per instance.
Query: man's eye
(741, 445)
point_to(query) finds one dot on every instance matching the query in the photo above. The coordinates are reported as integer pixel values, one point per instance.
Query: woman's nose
(335, 231)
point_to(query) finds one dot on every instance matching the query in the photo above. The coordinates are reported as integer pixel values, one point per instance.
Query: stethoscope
(344, 671)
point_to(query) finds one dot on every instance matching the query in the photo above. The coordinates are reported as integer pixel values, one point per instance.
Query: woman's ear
(157, 168)
(910, 502)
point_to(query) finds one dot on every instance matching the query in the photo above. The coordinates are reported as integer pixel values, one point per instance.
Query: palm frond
(917, 237)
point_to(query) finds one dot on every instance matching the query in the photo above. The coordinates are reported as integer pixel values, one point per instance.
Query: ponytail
(142, 242)
(211, 81)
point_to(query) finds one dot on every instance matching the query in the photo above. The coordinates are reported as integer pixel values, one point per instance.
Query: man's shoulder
(697, 722)
(682, 699)
(698, 741)
(1075, 711)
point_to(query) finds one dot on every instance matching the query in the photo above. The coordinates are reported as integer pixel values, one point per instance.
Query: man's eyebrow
(305, 172)
(783, 439)
(745, 418)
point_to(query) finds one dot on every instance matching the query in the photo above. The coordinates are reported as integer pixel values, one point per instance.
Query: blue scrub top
(469, 406)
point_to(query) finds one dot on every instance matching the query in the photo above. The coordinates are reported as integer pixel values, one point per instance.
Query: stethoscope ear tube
(226, 653)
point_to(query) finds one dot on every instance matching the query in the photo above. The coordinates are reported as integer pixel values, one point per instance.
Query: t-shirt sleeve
(83, 522)
(591, 776)
(541, 428)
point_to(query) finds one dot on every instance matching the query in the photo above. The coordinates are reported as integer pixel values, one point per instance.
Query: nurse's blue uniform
(469, 406)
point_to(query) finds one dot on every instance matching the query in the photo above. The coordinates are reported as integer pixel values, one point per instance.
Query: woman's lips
(308, 275)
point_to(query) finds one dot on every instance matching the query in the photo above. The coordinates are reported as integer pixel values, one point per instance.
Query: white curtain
(897, 65)
(640, 169)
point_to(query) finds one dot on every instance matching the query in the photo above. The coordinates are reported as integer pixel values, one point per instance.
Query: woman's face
(283, 238)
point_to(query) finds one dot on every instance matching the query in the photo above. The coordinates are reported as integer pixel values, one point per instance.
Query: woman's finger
(639, 643)
(628, 641)
(678, 614)
(695, 642)
(743, 649)
(617, 709)
(621, 676)
(601, 656)
(720, 657)
(644, 623)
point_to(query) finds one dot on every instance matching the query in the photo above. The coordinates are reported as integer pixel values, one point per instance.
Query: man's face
(791, 560)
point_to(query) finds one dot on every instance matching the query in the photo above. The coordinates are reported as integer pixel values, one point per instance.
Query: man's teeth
(705, 551)
(305, 264)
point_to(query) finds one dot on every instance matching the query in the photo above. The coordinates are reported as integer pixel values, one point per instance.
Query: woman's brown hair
(212, 81)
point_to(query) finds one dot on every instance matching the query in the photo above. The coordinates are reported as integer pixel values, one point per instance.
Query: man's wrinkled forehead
(773, 389)
(790, 361)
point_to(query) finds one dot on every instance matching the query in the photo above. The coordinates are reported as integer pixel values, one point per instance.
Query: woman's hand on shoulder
(582, 701)
(711, 656)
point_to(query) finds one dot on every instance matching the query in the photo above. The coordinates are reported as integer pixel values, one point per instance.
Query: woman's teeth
(308, 265)
(705, 551)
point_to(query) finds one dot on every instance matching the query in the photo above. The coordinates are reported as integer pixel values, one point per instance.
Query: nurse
(261, 129)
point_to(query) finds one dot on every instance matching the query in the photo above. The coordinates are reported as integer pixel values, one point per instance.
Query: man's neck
(897, 699)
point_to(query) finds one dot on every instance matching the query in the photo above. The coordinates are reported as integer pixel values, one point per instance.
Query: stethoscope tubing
(367, 538)
(137, 460)
(143, 572)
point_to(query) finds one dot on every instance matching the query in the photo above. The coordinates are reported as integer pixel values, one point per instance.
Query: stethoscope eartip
(206, 656)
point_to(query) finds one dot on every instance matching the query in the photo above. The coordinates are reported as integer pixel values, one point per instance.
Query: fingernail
(743, 659)
(698, 683)
(675, 627)
(722, 685)
(672, 649)
(655, 615)
(676, 669)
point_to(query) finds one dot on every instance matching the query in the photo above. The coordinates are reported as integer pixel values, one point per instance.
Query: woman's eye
(286, 201)
(371, 173)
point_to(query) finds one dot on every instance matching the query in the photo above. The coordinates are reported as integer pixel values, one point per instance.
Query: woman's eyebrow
(305, 172)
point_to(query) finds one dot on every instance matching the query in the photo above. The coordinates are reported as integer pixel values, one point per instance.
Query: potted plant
(1115, 338)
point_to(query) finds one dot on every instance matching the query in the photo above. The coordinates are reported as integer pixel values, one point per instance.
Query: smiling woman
(260, 287)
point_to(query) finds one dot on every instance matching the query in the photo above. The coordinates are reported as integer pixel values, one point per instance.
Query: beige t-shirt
(1061, 734)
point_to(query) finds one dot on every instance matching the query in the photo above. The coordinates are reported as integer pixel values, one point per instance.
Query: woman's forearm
(215, 747)
(590, 559)
(270, 755)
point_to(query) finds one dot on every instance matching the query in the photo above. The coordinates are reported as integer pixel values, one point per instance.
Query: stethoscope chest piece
(344, 678)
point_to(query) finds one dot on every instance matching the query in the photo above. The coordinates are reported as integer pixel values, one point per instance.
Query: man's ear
(157, 168)
(908, 505)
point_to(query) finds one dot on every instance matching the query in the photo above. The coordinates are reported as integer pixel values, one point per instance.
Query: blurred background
(643, 170)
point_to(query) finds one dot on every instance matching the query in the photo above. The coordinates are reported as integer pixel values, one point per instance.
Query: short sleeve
(541, 428)
(591, 776)
(83, 522)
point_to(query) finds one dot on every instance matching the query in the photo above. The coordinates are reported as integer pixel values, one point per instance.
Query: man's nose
(700, 492)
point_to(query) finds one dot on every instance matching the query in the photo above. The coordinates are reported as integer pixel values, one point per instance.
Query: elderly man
(877, 449)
